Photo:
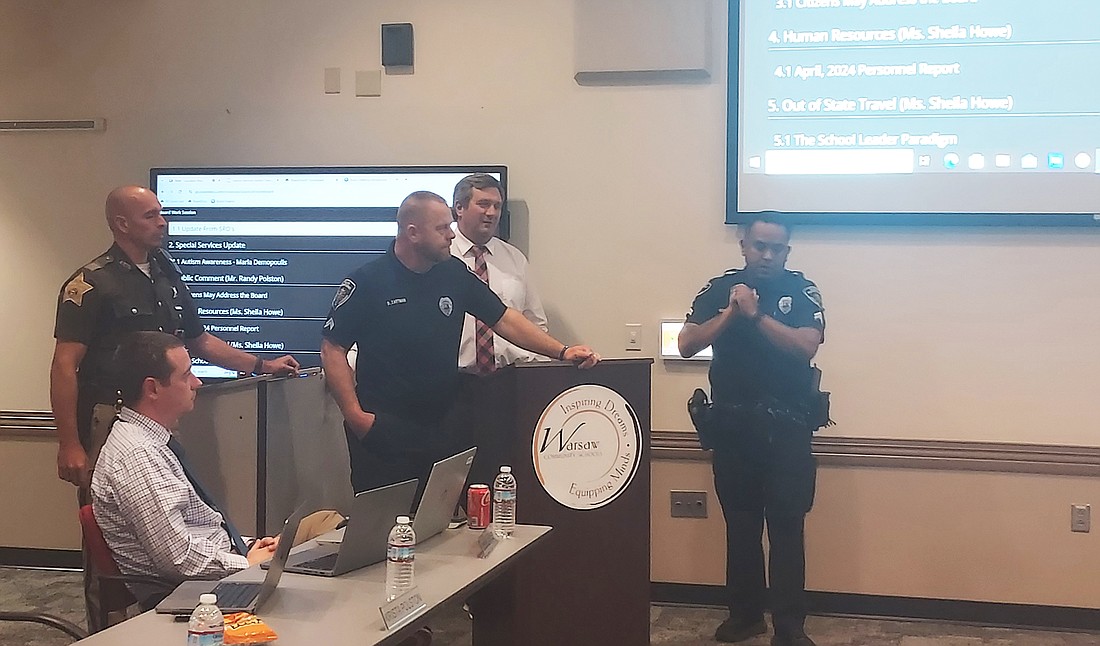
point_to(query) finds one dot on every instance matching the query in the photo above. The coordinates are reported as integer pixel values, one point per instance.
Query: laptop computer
(445, 487)
(236, 596)
(365, 536)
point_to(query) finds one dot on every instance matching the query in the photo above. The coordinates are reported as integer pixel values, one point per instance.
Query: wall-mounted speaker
(38, 125)
(397, 44)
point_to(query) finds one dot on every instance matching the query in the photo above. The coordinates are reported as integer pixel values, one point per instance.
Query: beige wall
(983, 334)
(977, 536)
(38, 509)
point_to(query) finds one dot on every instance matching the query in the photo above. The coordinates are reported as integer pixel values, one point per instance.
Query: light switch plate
(633, 338)
(1079, 518)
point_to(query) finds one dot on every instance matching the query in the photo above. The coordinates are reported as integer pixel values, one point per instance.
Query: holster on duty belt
(702, 417)
(709, 418)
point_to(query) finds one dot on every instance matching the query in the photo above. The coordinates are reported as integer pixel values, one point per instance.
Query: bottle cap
(402, 520)
(208, 599)
(506, 469)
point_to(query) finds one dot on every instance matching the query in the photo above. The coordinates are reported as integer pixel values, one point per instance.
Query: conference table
(313, 610)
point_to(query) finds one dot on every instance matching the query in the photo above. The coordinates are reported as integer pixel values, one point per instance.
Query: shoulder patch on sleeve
(814, 295)
(76, 289)
(706, 288)
(343, 293)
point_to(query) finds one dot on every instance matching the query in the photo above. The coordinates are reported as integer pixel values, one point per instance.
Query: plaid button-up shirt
(151, 517)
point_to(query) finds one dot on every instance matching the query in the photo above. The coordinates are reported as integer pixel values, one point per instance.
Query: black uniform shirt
(408, 327)
(747, 368)
(111, 297)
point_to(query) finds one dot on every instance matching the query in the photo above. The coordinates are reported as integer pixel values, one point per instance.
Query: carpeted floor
(59, 593)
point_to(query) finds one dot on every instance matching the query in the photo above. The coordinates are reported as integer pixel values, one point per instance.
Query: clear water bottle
(207, 626)
(400, 558)
(504, 503)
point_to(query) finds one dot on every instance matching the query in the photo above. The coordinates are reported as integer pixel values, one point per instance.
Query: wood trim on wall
(840, 604)
(952, 455)
(27, 423)
(40, 557)
(40, 423)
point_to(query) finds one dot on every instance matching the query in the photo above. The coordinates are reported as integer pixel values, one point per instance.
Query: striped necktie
(485, 361)
(234, 536)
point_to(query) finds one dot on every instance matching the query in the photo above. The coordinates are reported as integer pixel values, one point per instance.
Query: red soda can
(479, 502)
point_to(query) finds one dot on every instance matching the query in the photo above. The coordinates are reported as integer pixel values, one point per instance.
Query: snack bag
(247, 628)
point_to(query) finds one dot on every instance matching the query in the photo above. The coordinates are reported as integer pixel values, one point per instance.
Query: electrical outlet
(1079, 518)
(633, 337)
(688, 504)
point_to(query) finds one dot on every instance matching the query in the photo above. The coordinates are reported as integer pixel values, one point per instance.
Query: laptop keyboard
(236, 595)
(324, 563)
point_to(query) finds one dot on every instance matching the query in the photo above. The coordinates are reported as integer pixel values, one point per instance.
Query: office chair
(114, 596)
(70, 629)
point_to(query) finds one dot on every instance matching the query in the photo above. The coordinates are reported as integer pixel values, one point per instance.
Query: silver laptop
(445, 487)
(236, 596)
(365, 536)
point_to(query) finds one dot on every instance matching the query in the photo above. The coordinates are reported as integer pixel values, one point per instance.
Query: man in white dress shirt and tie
(478, 203)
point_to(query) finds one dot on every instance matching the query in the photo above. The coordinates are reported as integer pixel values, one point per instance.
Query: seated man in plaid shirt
(151, 515)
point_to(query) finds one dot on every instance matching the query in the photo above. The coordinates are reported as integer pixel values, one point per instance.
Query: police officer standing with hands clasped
(765, 324)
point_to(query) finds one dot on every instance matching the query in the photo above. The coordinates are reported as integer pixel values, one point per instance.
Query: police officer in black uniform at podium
(764, 323)
(404, 311)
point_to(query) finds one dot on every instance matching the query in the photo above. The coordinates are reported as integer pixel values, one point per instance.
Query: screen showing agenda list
(264, 250)
(895, 107)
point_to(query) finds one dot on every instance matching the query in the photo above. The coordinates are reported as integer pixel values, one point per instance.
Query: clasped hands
(743, 301)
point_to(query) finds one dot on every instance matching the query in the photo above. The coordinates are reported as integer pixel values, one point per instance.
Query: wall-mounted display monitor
(264, 249)
(929, 111)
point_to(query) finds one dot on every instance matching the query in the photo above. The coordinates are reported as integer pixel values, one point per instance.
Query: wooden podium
(588, 583)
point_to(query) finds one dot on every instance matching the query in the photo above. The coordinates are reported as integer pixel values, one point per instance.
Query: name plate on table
(487, 542)
(402, 609)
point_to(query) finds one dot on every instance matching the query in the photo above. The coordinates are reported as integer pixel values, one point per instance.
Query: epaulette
(728, 272)
(710, 283)
(167, 263)
(99, 263)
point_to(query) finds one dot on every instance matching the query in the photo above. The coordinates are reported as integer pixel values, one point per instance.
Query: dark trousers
(764, 471)
(471, 422)
(396, 449)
